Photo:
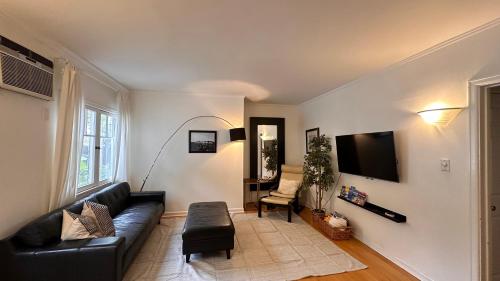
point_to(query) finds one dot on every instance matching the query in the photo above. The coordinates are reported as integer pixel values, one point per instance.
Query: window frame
(97, 150)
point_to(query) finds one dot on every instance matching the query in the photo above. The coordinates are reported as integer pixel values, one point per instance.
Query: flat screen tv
(371, 155)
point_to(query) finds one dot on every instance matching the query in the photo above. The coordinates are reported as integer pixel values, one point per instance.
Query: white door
(494, 184)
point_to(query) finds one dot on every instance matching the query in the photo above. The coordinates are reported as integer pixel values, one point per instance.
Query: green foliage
(318, 169)
(270, 154)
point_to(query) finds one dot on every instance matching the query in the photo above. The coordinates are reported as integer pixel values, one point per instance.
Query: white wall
(435, 243)
(294, 133)
(26, 135)
(186, 177)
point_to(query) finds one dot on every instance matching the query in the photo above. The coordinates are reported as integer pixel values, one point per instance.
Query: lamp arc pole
(171, 137)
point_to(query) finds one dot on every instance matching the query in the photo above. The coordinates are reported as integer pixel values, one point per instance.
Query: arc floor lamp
(235, 134)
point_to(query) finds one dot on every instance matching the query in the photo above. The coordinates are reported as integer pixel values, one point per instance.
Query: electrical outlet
(445, 165)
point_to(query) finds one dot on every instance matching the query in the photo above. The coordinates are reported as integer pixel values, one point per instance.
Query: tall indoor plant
(270, 154)
(318, 170)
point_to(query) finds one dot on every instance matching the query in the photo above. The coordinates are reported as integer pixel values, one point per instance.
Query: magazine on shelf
(352, 194)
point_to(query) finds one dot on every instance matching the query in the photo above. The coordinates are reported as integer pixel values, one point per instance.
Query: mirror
(267, 151)
(267, 147)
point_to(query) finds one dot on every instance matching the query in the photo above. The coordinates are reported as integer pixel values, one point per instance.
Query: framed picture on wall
(310, 134)
(202, 141)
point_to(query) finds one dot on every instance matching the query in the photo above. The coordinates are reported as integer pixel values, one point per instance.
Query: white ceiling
(277, 51)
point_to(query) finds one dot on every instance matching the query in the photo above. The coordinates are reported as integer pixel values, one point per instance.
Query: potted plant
(270, 154)
(318, 171)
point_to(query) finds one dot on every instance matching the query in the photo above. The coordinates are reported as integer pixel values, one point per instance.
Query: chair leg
(188, 256)
(228, 253)
(260, 209)
(289, 212)
(296, 206)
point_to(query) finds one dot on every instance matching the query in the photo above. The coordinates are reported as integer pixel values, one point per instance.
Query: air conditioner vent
(19, 74)
(24, 71)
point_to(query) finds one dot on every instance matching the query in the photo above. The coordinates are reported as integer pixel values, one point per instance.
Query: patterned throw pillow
(100, 214)
(77, 227)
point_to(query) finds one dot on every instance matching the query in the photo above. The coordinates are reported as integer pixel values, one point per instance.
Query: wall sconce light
(440, 116)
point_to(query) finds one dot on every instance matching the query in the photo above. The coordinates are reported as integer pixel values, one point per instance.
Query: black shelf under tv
(388, 214)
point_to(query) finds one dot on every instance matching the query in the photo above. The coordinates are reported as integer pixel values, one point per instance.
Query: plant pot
(317, 215)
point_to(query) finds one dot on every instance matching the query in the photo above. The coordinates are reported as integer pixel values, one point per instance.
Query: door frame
(478, 181)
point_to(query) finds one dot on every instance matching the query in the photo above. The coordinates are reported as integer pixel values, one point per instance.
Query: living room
(249, 140)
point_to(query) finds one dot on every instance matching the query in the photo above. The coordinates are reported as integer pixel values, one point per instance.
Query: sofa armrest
(78, 260)
(148, 196)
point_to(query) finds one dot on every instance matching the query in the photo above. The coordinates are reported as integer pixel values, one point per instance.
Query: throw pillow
(77, 227)
(100, 214)
(288, 186)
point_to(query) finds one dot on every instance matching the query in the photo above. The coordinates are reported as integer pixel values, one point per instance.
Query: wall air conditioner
(24, 71)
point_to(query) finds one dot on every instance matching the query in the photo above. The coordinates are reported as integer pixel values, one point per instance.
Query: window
(98, 149)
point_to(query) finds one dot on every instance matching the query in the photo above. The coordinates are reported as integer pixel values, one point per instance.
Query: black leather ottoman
(208, 228)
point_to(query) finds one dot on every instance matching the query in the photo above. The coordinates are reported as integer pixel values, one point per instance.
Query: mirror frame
(254, 123)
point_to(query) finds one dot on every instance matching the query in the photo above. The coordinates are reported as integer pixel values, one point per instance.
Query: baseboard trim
(236, 210)
(408, 268)
(173, 214)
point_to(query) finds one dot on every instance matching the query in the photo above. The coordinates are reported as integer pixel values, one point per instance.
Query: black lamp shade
(237, 134)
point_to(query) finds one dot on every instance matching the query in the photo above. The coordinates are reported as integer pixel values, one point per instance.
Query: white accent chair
(287, 191)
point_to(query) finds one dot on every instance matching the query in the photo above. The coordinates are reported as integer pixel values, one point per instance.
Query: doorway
(491, 188)
(484, 105)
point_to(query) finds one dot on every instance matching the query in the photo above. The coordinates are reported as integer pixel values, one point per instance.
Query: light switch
(445, 165)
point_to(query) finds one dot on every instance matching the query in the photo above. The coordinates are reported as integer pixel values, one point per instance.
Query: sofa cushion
(140, 213)
(47, 228)
(44, 230)
(134, 219)
(130, 231)
(134, 224)
(115, 197)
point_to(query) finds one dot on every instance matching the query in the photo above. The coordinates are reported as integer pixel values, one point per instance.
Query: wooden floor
(379, 268)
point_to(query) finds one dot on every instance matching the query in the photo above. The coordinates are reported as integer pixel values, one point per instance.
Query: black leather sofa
(36, 252)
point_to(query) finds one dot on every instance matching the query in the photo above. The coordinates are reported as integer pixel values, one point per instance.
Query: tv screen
(371, 155)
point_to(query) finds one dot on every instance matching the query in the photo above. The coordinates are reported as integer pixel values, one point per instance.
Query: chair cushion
(292, 173)
(115, 197)
(292, 169)
(277, 194)
(207, 220)
(276, 200)
(288, 187)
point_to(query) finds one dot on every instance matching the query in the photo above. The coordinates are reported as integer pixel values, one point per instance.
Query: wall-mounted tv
(371, 155)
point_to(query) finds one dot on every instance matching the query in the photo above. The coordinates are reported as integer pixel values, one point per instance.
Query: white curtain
(121, 160)
(68, 138)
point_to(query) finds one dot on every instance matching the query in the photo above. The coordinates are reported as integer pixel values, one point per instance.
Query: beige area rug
(268, 248)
